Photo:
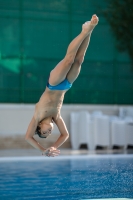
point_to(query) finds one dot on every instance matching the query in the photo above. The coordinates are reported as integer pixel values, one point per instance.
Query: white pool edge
(68, 157)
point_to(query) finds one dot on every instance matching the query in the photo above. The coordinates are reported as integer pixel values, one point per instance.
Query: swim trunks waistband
(64, 85)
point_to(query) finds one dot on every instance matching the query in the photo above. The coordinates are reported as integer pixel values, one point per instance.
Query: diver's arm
(31, 132)
(50, 152)
(63, 132)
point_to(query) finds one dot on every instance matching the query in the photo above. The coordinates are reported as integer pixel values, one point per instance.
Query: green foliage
(119, 14)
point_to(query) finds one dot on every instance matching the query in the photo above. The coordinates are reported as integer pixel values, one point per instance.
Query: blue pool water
(67, 178)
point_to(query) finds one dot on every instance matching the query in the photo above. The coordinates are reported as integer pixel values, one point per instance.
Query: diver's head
(44, 128)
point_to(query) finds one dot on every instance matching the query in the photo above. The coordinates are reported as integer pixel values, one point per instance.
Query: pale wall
(14, 118)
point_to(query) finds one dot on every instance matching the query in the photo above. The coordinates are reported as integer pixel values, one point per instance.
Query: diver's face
(46, 129)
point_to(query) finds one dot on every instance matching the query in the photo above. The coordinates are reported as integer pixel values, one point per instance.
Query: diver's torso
(50, 104)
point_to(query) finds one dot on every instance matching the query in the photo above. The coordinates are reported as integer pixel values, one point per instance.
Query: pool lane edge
(68, 157)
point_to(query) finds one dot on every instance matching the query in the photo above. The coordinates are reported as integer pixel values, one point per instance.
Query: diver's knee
(79, 60)
(69, 59)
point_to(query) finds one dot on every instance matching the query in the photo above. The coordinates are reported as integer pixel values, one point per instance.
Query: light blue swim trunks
(64, 85)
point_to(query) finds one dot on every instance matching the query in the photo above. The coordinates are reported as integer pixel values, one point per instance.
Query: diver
(47, 110)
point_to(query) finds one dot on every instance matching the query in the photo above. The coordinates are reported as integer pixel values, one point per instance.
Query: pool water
(66, 178)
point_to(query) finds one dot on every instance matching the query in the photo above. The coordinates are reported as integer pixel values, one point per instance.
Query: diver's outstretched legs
(59, 73)
(79, 58)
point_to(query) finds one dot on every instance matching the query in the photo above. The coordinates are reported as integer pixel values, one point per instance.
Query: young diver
(47, 110)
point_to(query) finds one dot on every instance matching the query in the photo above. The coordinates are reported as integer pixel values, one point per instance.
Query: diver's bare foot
(87, 27)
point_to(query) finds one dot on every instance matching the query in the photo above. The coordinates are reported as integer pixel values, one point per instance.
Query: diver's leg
(58, 74)
(79, 58)
(76, 66)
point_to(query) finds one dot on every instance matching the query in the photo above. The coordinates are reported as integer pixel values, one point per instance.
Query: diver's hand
(51, 152)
